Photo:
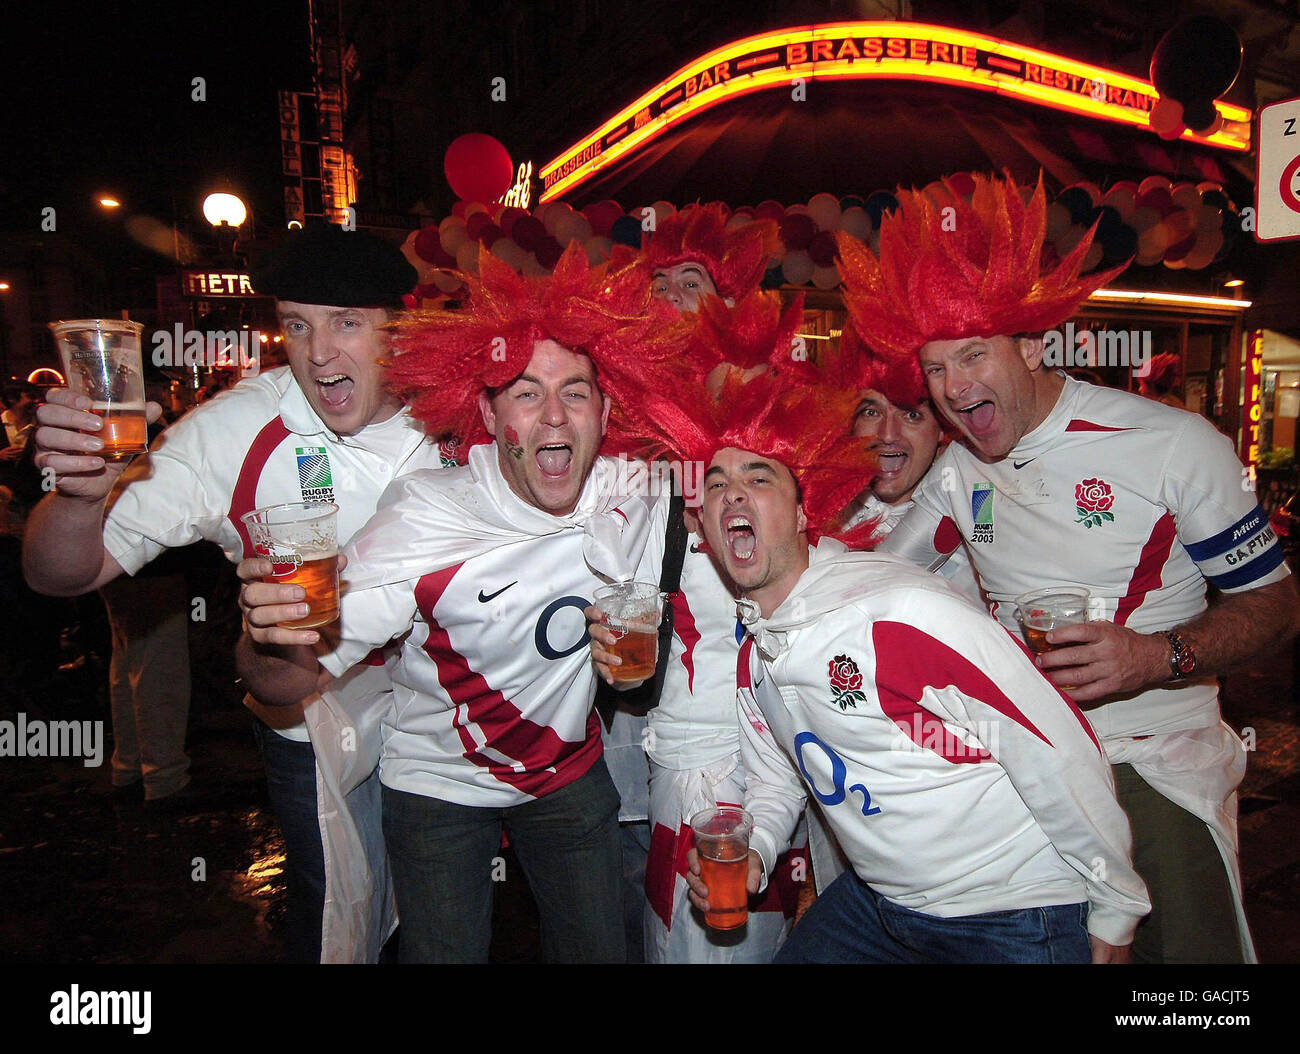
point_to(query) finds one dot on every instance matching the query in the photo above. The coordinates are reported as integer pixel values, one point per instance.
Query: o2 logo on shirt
(541, 634)
(839, 775)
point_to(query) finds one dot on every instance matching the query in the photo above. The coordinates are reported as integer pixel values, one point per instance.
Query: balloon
(467, 257)
(508, 217)
(825, 211)
(1199, 114)
(663, 209)
(447, 282)
(529, 233)
(855, 221)
(822, 248)
(458, 209)
(1179, 249)
(1152, 183)
(1092, 258)
(1165, 115)
(1215, 125)
(878, 204)
(1198, 58)
(797, 267)
(1144, 218)
(599, 249)
(850, 201)
(1078, 202)
(548, 254)
(1122, 199)
(826, 277)
(1066, 243)
(427, 291)
(1216, 198)
(1058, 219)
(427, 244)
(770, 210)
(477, 167)
(963, 183)
(626, 231)
(508, 250)
(797, 231)
(1118, 244)
(475, 222)
(1172, 133)
(554, 216)
(1204, 251)
(452, 234)
(473, 208)
(602, 216)
(1157, 198)
(1186, 196)
(534, 269)
(490, 234)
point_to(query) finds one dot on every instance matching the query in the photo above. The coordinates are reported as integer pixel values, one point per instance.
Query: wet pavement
(90, 875)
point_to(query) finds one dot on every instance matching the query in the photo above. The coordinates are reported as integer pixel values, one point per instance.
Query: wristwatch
(1182, 663)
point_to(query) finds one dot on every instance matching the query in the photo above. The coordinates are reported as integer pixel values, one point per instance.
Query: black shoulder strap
(646, 696)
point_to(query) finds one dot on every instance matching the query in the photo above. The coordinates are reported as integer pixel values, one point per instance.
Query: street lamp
(109, 202)
(221, 209)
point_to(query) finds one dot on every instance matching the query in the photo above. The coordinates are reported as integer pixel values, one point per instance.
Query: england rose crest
(846, 682)
(1093, 500)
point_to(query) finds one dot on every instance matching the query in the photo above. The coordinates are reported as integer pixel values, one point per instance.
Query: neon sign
(865, 50)
(1252, 405)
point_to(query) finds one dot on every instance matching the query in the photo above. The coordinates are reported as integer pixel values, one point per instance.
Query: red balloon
(508, 218)
(822, 248)
(529, 233)
(601, 216)
(797, 230)
(962, 182)
(428, 244)
(478, 168)
(458, 209)
(490, 234)
(770, 210)
(548, 253)
(475, 224)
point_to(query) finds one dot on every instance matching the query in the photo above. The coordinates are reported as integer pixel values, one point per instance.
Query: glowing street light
(224, 208)
(110, 202)
(4, 287)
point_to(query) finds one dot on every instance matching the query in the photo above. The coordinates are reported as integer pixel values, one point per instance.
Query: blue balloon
(850, 200)
(626, 231)
(1077, 202)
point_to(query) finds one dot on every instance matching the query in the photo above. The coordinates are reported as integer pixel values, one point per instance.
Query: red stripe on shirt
(743, 680)
(686, 631)
(244, 497)
(908, 661)
(548, 761)
(1147, 573)
(1080, 425)
(947, 536)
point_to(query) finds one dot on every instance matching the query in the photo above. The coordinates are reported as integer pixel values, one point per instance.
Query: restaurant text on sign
(863, 50)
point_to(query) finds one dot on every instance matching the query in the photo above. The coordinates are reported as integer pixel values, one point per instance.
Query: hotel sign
(1252, 403)
(212, 285)
(863, 50)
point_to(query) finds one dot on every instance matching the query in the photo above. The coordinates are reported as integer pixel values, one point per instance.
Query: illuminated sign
(864, 50)
(522, 192)
(207, 285)
(1252, 403)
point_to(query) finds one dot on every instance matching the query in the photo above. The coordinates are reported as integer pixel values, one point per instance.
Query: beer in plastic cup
(101, 359)
(722, 842)
(1045, 609)
(632, 612)
(300, 539)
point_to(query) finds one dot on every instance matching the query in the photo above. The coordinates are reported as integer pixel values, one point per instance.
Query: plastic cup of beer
(101, 359)
(1046, 609)
(301, 541)
(632, 612)
(722, 842)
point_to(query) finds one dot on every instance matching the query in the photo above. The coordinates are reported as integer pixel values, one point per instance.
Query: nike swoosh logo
(492, 596)
(1021, 464)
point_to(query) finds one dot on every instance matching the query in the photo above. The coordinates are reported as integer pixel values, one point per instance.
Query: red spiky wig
(789, 412)
(445, 359)
(977, 273)
(735, 259)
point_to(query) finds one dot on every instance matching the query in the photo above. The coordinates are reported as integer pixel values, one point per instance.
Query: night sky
(98, 98)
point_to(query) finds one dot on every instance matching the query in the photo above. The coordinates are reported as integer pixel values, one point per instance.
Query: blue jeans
(852, 923)
(291, 784)
(445, 859)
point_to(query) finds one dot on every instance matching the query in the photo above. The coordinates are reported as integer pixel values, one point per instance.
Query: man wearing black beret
(324, 428)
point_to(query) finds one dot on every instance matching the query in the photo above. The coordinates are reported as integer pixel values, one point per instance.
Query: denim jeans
(445, 859)
(852, 923)
(291, 783)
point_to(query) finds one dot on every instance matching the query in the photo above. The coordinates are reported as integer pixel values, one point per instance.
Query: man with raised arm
(322, 428)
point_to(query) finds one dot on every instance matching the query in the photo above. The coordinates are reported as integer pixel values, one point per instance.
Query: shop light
(1161, 299)
(872, 50)
(1232, 283)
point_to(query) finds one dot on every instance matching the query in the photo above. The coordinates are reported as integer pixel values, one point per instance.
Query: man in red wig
(1061, 482)
(970, 797)
(485, 570)
(700, 251)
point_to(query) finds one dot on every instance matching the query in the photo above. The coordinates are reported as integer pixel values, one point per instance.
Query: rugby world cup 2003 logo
(981, 511)
(1093, 500)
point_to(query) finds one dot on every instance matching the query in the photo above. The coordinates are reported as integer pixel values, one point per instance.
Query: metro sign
(207, 285)
(865, 50)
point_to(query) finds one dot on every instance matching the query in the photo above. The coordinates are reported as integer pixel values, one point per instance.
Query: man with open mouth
(1058, 482)
(971, 799)
(323, 428)
(483, 572)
